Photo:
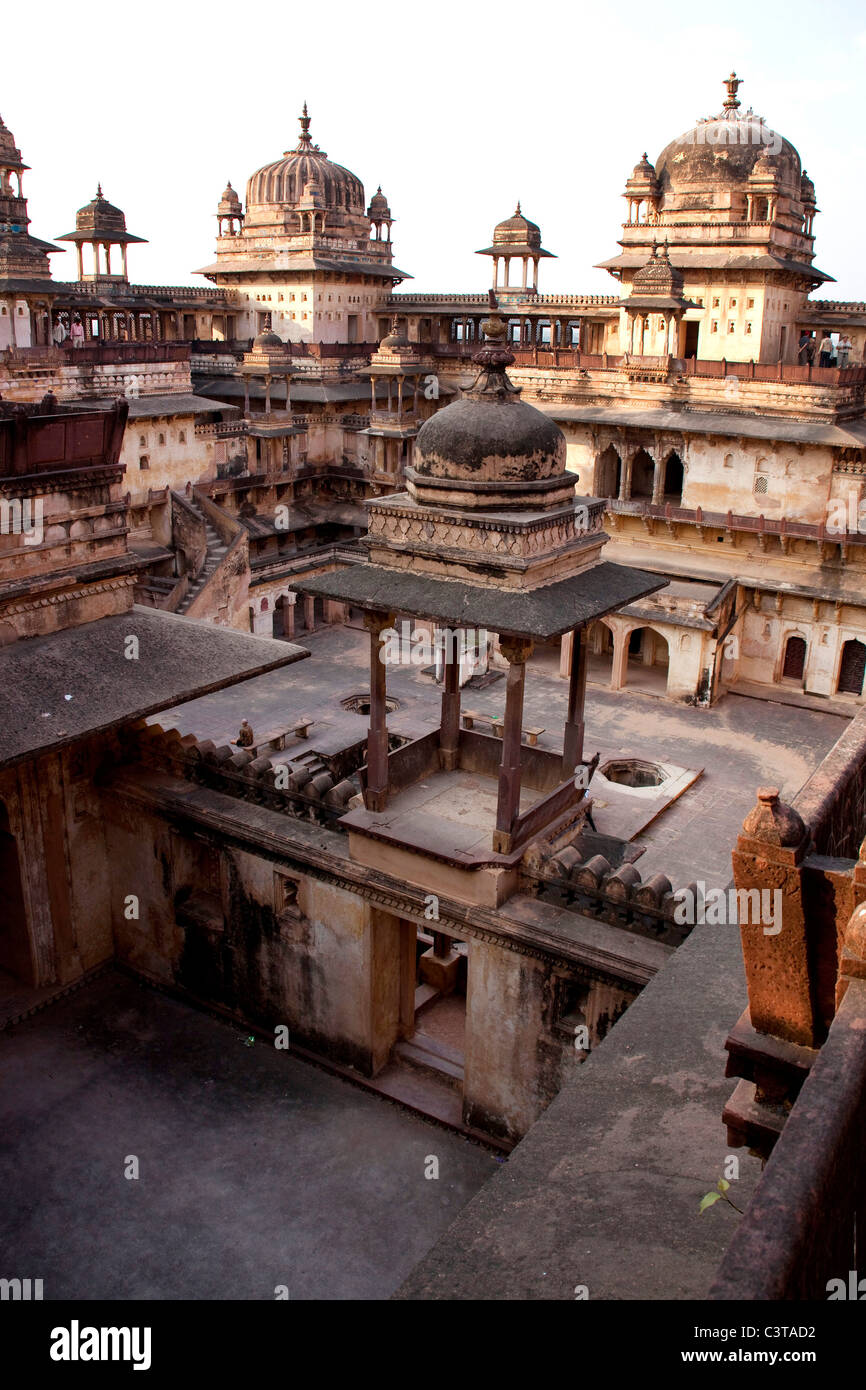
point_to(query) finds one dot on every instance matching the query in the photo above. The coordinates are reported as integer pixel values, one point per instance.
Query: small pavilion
(101, 226)
(395, 373)
(488, 535)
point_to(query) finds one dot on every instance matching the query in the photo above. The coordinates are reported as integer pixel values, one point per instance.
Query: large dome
(724, 150)
(485, 441)
(283, 181)
(491, 450)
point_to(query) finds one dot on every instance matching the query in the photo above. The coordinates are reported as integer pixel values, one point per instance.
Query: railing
(731, 521)
(95, 354)
(542, 355)
(222, 429)
(190, 293)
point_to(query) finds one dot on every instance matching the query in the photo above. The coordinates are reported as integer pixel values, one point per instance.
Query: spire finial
(305, 124)
(99, 190)
(517, 209)
(733, 83)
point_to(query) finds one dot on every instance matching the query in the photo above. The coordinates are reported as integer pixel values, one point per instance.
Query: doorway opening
(851, 668)
(795, 659)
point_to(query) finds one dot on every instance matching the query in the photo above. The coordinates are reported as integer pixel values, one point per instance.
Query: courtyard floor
(741, 743)
(254, 1169)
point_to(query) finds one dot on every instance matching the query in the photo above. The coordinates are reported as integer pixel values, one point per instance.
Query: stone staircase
(216, 553)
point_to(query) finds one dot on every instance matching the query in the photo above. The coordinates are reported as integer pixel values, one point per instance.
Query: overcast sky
(457, 109)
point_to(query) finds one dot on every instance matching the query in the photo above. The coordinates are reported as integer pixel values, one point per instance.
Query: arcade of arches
(658, 479)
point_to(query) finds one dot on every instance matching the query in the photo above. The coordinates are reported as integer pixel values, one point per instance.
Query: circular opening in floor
(633, 772)
(360, 704)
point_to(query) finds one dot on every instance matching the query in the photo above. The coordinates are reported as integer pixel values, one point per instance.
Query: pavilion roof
(543, 612)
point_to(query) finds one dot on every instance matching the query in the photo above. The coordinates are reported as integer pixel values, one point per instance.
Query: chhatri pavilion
(488, 535)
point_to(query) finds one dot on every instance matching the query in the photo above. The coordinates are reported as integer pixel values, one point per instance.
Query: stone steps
(433, 1058)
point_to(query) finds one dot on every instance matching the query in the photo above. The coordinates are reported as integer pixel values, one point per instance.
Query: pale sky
(457, 109)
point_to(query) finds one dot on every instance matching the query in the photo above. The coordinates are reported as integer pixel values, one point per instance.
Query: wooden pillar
(516, 652)
(572, 750)
(376, 797)
(449, 729)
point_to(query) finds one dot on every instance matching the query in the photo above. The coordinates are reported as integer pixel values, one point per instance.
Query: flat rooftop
(66, 685)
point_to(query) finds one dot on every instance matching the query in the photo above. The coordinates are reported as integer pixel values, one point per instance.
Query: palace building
(241, 498)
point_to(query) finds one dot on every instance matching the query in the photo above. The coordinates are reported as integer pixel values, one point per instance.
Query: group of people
(75, 332)
(828, 353)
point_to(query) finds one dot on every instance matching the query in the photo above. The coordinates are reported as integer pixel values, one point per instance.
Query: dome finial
(733, 83)
(517, 209)
(99, 190)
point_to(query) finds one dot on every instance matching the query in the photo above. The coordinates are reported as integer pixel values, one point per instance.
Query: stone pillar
(658, 480)
(620, 659)
(572, 749)
(449, 729)
(625, 480)
(80, 249)
(309, 611)
(376, 797)
(289, 615)
(516, 652)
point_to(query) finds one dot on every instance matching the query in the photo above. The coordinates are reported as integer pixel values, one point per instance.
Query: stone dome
(268, 340)
(643, 173)
(490, 449)
(378, 205)
(724, 149)
(397, 337)
(481, 440)
(100, 216)
(517, 230)
(229, 202)
(283, 181)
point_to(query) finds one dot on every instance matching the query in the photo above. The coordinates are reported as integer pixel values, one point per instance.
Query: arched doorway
(642, 473)
(15, 957)
(794, 663)
(281, 626)
(599, 665)
(648, 660)
(608, 473)
(851, 668)
(673, 479)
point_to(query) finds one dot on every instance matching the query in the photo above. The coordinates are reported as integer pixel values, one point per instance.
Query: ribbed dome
(268, 340)
(283, 181)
